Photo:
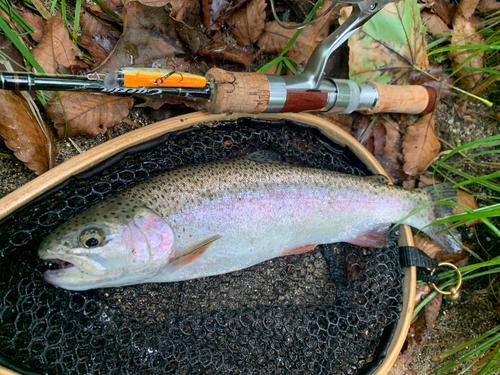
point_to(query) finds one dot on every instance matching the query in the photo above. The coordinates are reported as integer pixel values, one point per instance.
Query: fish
(214, 218)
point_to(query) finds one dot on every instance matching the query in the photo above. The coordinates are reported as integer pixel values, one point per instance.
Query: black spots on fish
(105, 216)
(127, 217)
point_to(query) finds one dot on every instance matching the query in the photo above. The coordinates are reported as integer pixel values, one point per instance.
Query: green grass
(490, 30)
(481, 354)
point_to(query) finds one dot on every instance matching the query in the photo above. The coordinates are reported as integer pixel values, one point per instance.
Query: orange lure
(152, 77)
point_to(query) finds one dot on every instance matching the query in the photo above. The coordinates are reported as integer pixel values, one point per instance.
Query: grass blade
(20, 45)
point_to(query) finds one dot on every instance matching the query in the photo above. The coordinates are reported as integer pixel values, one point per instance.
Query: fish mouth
(64, 266)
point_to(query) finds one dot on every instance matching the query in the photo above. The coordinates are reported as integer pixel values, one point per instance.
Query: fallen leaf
(459, 259)
(434, 23)
(427, 245)
(228, 52)
(248, 22)
(419, 330)
(87, 114)
(443, 8)
(10, 51)
(439, 77)
(97, 11)
(393, 169)
(420, 145)
(387, 47)
(35, 21)
(393, 144)
(275, 38)
(151, 38)
(423, 291)
(23, 135)
(468, 7)
(57, 53)
(115, 5)
(488, 5)
(98, 37)
(465, 33)
(466, 200)
(189, 13)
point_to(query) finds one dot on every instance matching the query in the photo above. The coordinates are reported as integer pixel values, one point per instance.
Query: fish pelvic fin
(299, 250)
(192, 254)
(372, 238)
(450, 240)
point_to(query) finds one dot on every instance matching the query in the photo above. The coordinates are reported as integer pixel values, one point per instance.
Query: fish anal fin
(299, 250)
(192, 254)
(373, 238)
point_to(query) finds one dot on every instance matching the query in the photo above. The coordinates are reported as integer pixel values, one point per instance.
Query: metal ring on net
(282, 316)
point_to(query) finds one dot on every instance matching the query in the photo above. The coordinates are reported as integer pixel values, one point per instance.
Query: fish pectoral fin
(298, 250)
(373, 238)
(192, 254)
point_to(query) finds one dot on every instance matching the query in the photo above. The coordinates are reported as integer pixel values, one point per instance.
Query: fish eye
(91, 238)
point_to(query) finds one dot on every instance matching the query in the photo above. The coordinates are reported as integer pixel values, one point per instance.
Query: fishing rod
(233, 92)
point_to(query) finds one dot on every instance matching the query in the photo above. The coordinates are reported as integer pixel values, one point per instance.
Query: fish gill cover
(330, 310)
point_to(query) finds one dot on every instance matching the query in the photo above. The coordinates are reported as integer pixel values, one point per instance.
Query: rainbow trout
(209, 219)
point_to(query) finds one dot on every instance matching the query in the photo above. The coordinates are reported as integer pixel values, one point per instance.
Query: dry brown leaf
(23, 135)
(275, 38)
(228, 52)
(11, 51)
(465, 33)
(423, 291)
(248, 22)
(427, 245)
(468, 7)
(434, 23)
(443, 8)
(189, 13)
(57, 53)
(459, 259)
(99, 37)
(488, 5)
(35, 21)
(466, 200)
(420, 145)
(151, 38)
(87, 114)
(115, 5)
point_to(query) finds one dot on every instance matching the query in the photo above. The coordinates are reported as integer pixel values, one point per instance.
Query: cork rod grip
(404, 99)
(238, 92)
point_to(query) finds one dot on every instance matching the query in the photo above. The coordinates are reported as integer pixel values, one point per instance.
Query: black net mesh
(330, 310)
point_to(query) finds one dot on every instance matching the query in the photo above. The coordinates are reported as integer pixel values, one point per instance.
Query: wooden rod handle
(238, 92)
(404, 99)
(251, 93)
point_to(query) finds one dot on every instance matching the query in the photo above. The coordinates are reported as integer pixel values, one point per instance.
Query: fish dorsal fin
(380, 178)
(266, 156)
(192, 254)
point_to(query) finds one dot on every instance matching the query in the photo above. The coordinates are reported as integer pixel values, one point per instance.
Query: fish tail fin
(451, 239)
